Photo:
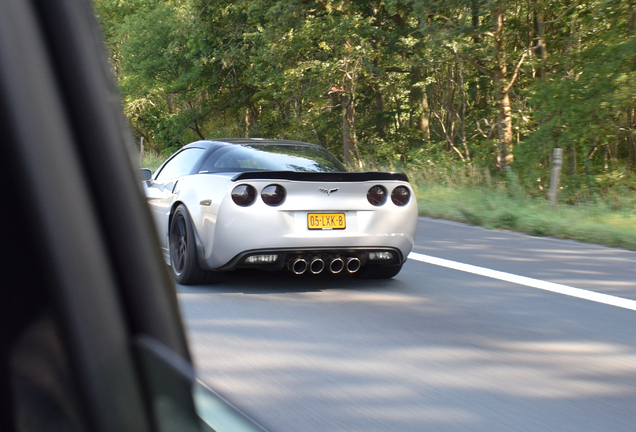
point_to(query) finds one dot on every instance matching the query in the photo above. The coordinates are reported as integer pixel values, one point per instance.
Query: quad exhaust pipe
(336, 265)
(353, 265)
(298, 266)
(317, 265)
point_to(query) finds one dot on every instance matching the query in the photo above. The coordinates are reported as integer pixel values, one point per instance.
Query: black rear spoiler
(321, 176)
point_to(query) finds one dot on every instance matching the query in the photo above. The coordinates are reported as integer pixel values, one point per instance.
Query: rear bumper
(287, 256)
(231, 232)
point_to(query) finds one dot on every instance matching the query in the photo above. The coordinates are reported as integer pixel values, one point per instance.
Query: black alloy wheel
(178, 244)
(183, 252)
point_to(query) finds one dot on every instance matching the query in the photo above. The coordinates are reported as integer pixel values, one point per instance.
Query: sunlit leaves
(419, 73)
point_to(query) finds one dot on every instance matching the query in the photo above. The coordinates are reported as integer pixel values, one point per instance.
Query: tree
(459, 81)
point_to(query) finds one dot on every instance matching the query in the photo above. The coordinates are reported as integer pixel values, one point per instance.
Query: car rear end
(314, 222)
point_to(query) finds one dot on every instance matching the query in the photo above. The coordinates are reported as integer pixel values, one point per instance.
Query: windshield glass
(239, 158)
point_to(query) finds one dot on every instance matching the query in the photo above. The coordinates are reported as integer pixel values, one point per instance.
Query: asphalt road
(434, 349)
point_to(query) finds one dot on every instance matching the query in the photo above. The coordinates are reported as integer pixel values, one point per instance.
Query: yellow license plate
(326, 221)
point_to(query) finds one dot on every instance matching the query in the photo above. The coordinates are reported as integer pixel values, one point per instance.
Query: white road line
(529, 282)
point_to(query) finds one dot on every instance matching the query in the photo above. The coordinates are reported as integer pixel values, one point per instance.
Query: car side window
(181, 164)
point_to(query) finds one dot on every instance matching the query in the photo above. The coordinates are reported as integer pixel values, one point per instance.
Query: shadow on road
(248, 281)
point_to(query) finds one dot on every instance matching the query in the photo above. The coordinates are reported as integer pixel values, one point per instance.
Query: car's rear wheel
(183, 252)
(378, 272)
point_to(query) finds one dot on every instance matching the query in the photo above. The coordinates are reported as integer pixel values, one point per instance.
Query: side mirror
(146, 174)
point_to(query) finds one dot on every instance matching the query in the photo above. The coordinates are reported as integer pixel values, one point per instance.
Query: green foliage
(586, 106)
(493, 208)
(425, 80)
(152, 160)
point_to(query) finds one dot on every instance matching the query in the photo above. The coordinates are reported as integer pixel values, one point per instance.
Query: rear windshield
(240, 158)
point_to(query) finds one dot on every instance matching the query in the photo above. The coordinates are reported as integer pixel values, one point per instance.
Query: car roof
(249, 141)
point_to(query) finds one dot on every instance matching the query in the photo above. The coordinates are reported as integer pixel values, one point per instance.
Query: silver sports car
(277, 204)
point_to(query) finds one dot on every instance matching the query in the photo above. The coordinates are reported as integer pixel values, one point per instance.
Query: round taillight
(273, 194)
(377, 195)
(244, 195)
(400, 196)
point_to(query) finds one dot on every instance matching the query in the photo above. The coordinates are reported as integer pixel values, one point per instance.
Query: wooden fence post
(555, 174)
(141, 153)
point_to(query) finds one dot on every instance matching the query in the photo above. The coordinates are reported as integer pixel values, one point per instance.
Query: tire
(379, 272)
(183, 252)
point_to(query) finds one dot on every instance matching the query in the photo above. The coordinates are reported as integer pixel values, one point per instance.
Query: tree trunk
(424, 122)
(380, 103)
(502, 83)
(474, 12)
(504, 125)
(251, 117)
(418, 104)
(195, 123)
(539, 31)
(615, 149)
(462, 113)
(380, 120)
(502, 89)
(247, 123)
(349, 138)
(349, 129)
(450, 106)
(631, 141)
(195, 128)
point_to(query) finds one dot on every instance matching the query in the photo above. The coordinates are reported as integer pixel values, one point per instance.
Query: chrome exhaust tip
(317, 265)
(353, 265)
(298, 266)
(336, 265)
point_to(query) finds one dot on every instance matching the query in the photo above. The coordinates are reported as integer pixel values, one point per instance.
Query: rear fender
(202, 195)
(197, 238)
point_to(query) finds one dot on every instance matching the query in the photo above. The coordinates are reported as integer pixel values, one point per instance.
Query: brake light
(400, 196)
(273, 194)
(244, 195)
(376, 195)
